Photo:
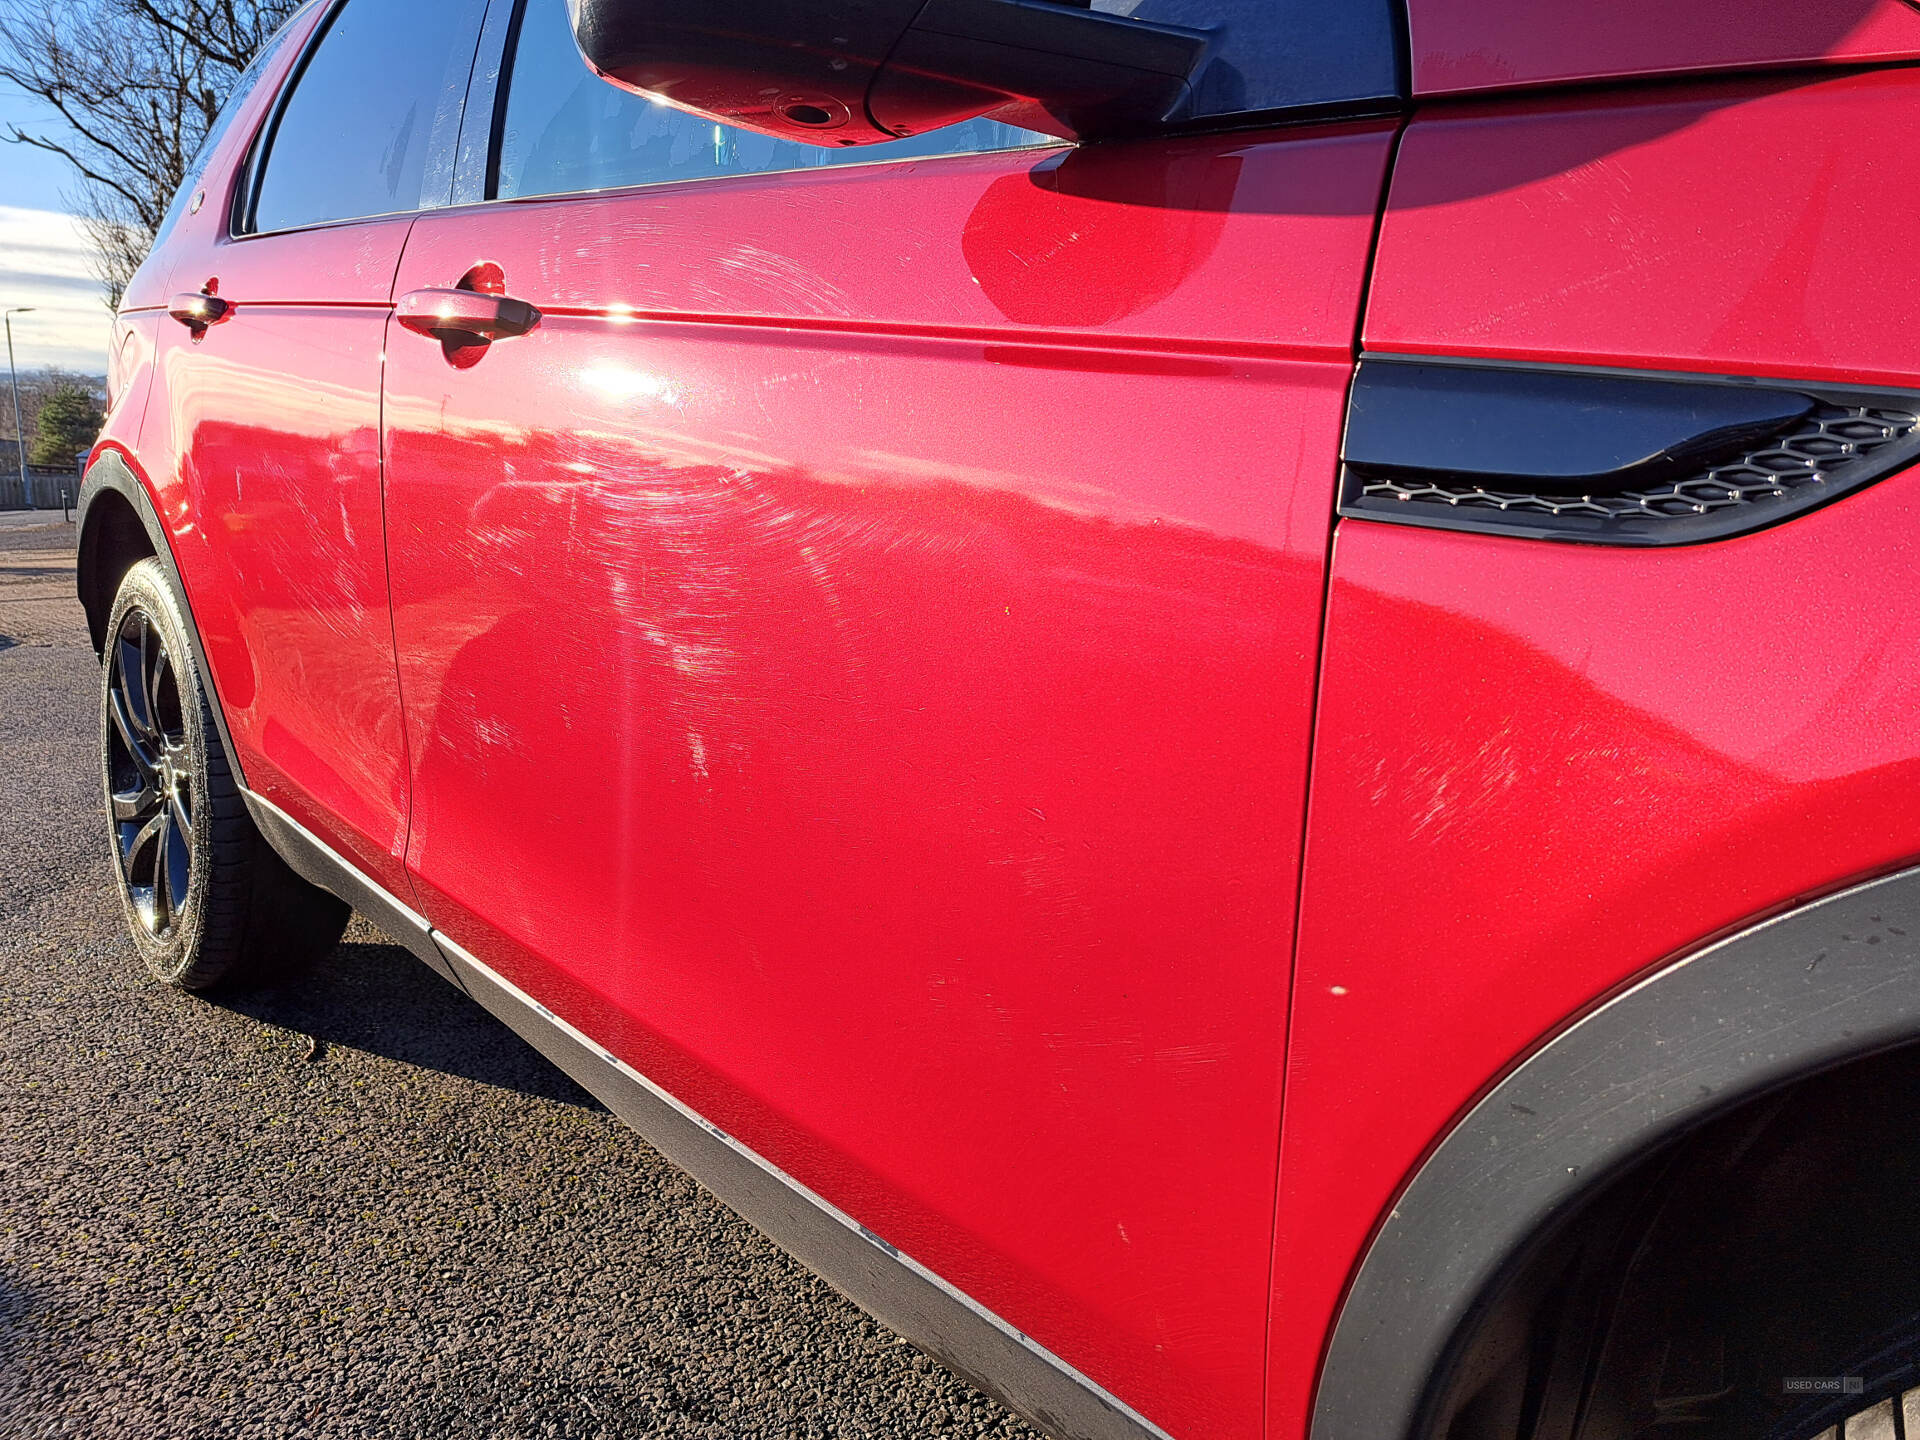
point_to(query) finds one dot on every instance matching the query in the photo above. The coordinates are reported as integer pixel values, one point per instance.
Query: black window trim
(502, 92)
(474, 163)
(509, 56)
(473, 157)
(246, 174)
(247, 197)
(242, 221)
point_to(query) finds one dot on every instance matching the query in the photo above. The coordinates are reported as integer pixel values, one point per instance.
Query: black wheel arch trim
(109, 473)
(1834, 980)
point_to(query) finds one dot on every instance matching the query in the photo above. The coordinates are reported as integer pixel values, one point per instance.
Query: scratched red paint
(838, 722)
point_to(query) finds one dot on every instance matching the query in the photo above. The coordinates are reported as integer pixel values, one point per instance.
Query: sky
(45, 260)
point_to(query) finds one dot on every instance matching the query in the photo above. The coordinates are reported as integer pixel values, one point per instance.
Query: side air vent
(1606, 458)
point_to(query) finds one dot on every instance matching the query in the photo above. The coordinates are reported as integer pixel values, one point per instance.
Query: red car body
(882, 660)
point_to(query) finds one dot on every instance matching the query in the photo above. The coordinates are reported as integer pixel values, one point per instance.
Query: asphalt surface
(358, 1206)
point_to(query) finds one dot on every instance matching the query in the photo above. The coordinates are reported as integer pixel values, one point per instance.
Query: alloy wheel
(149, 774)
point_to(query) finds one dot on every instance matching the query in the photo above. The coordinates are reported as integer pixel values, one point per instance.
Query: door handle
(460, 318)
(197, 310)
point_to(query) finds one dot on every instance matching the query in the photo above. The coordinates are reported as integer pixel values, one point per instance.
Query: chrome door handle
(464, 317)
(197, 310)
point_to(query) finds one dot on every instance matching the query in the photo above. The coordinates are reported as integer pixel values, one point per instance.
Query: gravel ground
(356, 1207)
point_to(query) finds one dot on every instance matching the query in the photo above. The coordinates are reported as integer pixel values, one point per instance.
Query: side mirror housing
(856, 72)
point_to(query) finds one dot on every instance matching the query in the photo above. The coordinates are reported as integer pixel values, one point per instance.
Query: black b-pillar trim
(1829, 982)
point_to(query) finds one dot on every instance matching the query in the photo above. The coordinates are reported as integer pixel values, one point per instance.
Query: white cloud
(46, 262)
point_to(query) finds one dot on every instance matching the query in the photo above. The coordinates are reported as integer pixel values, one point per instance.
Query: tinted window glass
(565, 129)
(354, 137)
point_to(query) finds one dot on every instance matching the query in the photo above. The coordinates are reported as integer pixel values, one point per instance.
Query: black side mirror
(854, 72)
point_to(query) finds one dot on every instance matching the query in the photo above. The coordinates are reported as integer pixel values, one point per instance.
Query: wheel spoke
(152, 654)
(144, 675)
(130, 699)
(129, 736)
(133, 805)
(154, 679)
(163, 874)
(180, 864)
(141, 839)
(149, 782)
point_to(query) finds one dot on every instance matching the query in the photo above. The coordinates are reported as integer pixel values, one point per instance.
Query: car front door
(271, 415)
(858, 647)
(1598, 724)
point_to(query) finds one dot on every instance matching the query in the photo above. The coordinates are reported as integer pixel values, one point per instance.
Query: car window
(353, 137)
(563, 129)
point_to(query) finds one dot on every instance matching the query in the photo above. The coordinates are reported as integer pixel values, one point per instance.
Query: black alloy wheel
(150, 774)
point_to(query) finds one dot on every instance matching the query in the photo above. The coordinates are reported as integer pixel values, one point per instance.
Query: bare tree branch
(87, 173)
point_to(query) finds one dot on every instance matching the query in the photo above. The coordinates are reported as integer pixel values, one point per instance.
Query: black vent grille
(1848, 440)
(1832, 438)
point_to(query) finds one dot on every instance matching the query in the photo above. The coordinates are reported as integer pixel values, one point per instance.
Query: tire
(206, 899)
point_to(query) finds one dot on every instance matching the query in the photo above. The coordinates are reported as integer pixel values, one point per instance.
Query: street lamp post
(19, 435)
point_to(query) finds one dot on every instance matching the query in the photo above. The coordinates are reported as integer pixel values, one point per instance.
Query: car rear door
(269, 419)
(858, 652)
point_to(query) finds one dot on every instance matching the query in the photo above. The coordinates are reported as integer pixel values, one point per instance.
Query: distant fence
(41, 490)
